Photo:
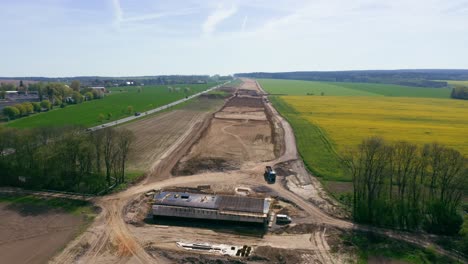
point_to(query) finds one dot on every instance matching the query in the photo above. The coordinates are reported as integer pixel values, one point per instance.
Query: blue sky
(153, 37)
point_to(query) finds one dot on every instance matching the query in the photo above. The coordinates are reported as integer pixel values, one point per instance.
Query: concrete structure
(212, 207)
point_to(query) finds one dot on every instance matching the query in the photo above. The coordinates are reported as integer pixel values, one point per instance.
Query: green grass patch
(293, 87)
(235, 83)
(399, 91)
(130, 178)
(370, 246)
(314, 146)
(86, 114)
(219, 93)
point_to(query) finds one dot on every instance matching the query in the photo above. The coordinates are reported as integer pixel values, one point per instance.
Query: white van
(283, 219)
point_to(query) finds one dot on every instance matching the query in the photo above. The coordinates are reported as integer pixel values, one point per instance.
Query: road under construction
(225, 154)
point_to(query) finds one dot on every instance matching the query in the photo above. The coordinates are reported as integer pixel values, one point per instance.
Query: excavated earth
(239, 134)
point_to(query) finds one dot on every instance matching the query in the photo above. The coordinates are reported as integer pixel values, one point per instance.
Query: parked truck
(270, 174)
(282, 219)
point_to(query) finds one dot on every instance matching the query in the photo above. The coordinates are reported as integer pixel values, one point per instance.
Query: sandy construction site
(226, 152)
(222, 149)
(239, 135)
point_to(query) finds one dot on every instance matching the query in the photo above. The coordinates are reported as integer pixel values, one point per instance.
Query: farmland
(140, 98)
(292, 87)
(326, 125)
(342, 122)
(34, 229)
(458, 83)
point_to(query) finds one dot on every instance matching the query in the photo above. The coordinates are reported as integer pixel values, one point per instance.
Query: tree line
(416, 78)
(50, 95)
(25, 109)
(459, 92)
(401, 185)
(66, 159)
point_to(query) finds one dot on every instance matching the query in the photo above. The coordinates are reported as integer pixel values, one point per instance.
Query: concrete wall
(198, 213)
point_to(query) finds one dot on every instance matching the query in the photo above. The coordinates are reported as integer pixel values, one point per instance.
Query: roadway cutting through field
(111, 239)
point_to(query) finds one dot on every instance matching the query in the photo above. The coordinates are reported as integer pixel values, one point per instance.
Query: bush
(46, 104)
(77, 97)
(11, 112)
(21, 108)
(28, 107)
(89, 96)
(100, 117)
(36, 106)
(442, 221)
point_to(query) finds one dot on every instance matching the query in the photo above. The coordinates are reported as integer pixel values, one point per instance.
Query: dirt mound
(196, 165)
(228, 144)
(247, 92)
(186, 258)
(245, 102)
(277, 255)
(228, 89)
(136, 211)
(214, 96)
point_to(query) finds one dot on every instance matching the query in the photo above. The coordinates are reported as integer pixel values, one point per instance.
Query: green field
(378, 249)
(116, 103)
(293, 87)
(458, 83)
(325, 126)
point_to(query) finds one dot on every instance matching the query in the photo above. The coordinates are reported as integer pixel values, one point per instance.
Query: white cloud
(219, 15)
(244, 23)
(159, 15)
(118, 13)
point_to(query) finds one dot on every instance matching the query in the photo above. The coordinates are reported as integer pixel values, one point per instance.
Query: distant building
(99, 88)
(212, 207)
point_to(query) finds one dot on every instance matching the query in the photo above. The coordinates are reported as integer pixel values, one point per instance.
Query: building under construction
(211, 207)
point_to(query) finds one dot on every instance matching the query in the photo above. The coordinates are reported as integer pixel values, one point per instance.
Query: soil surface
(156, 134)
(239, 135)
(33, 234)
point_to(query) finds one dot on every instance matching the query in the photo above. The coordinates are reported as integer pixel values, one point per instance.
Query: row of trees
(63, 158)
(404, 186)
(50, 95)
(59, 93)
(460, 92)
(6, 87)
(25, 109)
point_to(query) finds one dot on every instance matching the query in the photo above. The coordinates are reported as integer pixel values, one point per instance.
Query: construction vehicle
(283, 219)
(270, 174)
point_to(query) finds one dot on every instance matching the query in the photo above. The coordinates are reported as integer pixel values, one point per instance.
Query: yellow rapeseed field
(346, 121)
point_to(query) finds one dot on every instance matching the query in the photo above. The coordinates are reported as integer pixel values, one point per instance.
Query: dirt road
(111, 240)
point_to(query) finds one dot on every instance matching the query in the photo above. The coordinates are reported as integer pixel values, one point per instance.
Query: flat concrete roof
(214, 202)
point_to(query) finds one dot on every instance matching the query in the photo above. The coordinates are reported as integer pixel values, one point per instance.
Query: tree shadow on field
(34, 206)
(24, 209)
